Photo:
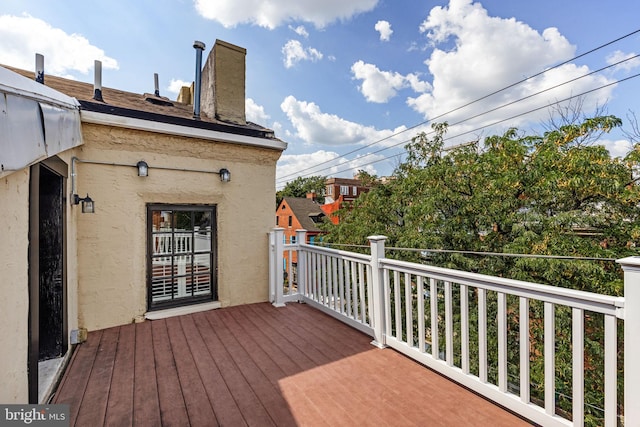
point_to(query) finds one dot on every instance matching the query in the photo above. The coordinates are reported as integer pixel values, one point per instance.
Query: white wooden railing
(448, 320)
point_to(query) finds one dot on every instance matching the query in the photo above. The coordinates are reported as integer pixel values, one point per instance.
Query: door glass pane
(183, 221)
(181, 255)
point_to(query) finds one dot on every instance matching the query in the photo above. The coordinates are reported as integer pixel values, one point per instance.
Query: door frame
(59, 167)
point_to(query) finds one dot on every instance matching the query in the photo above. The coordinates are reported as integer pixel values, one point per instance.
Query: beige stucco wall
(112, 242)
(14, 274)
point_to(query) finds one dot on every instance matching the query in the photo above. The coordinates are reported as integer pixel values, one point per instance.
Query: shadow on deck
(259, 365)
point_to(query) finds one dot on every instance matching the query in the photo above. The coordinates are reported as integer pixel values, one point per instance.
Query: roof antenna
(199, 47)
(157, 86)
(97, 80)
(39, 68)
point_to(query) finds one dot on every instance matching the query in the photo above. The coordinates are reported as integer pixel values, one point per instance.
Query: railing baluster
(398, 312)
(387, 304)
(577, 338)
(448, 318)
(549, 359)
(482, 335)
(316, 278)
(341, 284)
(324, 273)
(464, 327)
(524, 350)
(502, 342)
(435, 351)
(354, 290)
(610, 371)
(334, 283)
(363, 308)
(420, 296)
(408, 301)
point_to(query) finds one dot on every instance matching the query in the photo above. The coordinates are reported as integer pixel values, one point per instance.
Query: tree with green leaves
(551, 194)
(301, 186)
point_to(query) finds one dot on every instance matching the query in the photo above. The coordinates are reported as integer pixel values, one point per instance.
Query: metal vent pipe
(39, 68)
(199, 47)
(97, 80)
(155, 83)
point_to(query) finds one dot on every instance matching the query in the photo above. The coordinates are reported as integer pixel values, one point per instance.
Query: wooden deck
(258, 365)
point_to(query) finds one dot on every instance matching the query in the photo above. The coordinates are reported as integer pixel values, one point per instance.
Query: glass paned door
(182, 258)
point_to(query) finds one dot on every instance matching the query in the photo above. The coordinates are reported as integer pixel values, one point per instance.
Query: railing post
(631, 268)
(378, 296)
(277, 270)
(301, 239)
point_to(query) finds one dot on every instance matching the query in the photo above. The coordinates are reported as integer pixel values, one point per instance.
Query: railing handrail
(590, 301)
(379, 296)
(350, 256)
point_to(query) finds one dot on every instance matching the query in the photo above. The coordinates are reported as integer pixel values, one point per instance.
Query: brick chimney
(223, 83)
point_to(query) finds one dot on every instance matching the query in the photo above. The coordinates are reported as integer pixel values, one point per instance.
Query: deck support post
(631, 268)
(378, 295)
(276, 280)
(301, 274)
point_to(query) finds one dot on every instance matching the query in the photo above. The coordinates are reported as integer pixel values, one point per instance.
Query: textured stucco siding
(14, 285)
(112, 242)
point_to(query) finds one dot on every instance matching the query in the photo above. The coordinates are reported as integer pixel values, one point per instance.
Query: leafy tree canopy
(300, 187)
(548, 194)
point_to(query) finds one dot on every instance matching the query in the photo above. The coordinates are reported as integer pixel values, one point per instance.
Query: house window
(292, 239)
(344, 190)
(330, 190)
(181, 256)
(277, 220)
(290, 220)
(355, 190)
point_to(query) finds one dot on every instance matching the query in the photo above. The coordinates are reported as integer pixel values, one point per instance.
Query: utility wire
(481, 127)
(284, 178)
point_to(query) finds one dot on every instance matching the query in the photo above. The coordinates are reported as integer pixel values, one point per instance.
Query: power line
(493, 123)
(284, 178)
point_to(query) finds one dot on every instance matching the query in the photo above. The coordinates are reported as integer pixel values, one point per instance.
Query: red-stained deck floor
(259, 365)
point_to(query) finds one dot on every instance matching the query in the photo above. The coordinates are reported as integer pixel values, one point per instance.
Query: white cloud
(295, 52)
(380, 86)
(271, 14)
(618, 148)
(255, 113)
(384, 28)
(618, 56)
(299, 30)
(21, 37)
(475, 54)
(315, 127)
(175, 85)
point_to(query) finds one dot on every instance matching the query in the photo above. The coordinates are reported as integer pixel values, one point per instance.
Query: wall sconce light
(143, 168)
(88, 206)
(225, 175)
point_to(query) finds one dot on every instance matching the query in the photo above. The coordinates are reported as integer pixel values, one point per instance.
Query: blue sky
(334, 77)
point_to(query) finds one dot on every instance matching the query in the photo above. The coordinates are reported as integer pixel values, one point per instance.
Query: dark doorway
(47, 289)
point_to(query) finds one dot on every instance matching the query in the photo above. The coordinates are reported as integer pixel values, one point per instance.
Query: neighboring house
(295, 213)
(171, 233)
(339, 191)
(331, 208)
(348, 188)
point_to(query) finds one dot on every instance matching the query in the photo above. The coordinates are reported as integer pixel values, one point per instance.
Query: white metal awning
(36, 122)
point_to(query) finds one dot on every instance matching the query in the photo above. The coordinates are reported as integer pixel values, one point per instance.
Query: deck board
(257, 365)
(146, 402)
(120, 403)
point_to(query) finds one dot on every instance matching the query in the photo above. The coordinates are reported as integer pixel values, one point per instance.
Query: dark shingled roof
(304, 209)
(144, 106)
